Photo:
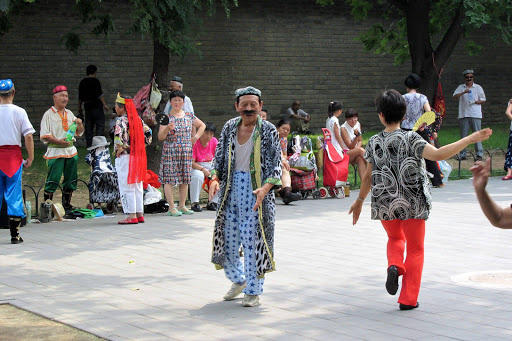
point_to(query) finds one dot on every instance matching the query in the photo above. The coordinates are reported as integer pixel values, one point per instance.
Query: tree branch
(450, 39)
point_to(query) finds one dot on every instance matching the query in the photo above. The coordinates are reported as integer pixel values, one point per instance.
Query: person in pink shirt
(202, 155)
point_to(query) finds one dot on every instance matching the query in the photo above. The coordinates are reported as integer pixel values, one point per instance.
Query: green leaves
(390, 35)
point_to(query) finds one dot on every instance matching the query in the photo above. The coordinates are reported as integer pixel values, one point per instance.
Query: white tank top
(243, 154)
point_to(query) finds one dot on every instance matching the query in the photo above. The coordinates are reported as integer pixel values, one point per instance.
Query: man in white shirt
(471, 96)
(177, 84)
(15, 123)
(61, 155)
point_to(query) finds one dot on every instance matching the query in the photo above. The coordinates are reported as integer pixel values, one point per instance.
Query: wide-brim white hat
(98, 141)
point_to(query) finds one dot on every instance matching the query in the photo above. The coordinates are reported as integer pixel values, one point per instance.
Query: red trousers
(408, 233)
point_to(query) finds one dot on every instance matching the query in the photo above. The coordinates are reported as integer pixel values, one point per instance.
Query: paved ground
(154, 281)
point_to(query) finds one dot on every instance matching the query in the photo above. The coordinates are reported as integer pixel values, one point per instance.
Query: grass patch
(35, 176)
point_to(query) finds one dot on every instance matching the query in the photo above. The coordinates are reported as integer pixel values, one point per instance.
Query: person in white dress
(351, 137)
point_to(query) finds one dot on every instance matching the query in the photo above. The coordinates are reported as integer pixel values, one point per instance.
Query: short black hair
(351, 113)
(210, 127)
(333, 107)
(177, 93)
(264, 108)
(91, 70)
(413, 81)
(282, 122)
(392, 105)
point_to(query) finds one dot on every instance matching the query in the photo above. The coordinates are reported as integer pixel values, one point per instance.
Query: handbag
(306, 161)
(149, 116)
(445, 168)
(156, 95)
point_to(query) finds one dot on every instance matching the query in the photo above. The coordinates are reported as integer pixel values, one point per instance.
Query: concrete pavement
(154, 281)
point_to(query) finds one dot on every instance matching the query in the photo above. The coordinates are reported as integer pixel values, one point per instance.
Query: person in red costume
(15, 123)
(130, 138)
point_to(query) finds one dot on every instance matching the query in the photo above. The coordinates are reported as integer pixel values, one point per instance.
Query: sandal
(507, 177)
(174, 212)
(185, 210)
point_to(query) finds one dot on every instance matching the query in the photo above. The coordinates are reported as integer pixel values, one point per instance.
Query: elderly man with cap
(61, 155)
(177, 84)
(15, 123)
(246, 167)
(471, 96)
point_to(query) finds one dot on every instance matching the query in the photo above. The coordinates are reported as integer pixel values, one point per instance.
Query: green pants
(56, 167)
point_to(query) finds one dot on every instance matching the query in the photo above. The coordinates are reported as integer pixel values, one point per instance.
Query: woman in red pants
(401, 198)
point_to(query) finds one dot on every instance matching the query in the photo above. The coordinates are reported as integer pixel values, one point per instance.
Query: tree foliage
(390, 35)
(427, 31)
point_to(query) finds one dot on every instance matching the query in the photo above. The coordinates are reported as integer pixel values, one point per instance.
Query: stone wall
(291, 50)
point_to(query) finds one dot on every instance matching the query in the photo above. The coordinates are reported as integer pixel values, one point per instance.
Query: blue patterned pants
(240, 228)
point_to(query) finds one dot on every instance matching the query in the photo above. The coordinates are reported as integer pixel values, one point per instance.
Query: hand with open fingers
(481, 135)
(481, 172)
(355, 210)
(213, 188)
(260, 195)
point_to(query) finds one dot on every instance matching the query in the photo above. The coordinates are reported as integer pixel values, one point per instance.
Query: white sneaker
(251, 301)
(236, 289)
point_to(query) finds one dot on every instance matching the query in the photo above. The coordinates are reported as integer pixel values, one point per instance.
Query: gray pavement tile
(155, 281)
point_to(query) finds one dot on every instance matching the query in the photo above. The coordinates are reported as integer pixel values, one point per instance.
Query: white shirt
(243, 154)
(15, 123)
(51, 125)
(467, 105)
(187, 107)
(330, 124)
(350, 132)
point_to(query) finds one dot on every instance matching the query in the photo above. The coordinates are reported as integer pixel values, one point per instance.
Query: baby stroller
(335, 169)
(103, 186)
(303, 171)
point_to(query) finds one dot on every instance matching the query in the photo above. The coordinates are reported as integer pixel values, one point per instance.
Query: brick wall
(289, 49)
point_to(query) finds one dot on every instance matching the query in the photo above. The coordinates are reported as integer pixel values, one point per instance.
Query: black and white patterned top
(400, 188)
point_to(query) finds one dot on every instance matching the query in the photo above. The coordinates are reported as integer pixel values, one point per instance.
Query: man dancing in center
(247, 164)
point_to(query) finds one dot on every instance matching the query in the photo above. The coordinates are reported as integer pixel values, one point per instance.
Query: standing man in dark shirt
(91, 95)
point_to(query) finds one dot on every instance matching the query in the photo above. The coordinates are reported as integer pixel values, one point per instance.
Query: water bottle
(71, 132)
(28, 206)
(471, 97)
(347, 189)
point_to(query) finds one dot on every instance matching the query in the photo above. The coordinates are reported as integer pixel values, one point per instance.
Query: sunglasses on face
(468, 77)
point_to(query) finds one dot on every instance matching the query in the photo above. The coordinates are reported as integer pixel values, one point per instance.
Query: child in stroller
(103, 187)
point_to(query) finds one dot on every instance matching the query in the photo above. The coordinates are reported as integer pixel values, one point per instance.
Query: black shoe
(296, 196)
(462, 157)
(195, 207)
(16, 240)
(211, 206)
(392, 281)
(408, 307)
(287, 198)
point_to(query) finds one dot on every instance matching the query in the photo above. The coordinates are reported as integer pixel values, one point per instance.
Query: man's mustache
(249, 112)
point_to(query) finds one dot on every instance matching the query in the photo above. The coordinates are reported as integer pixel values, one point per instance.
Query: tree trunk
(160, 69)
(425, 61)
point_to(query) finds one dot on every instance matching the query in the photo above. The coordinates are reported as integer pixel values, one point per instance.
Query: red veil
(138, 160)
